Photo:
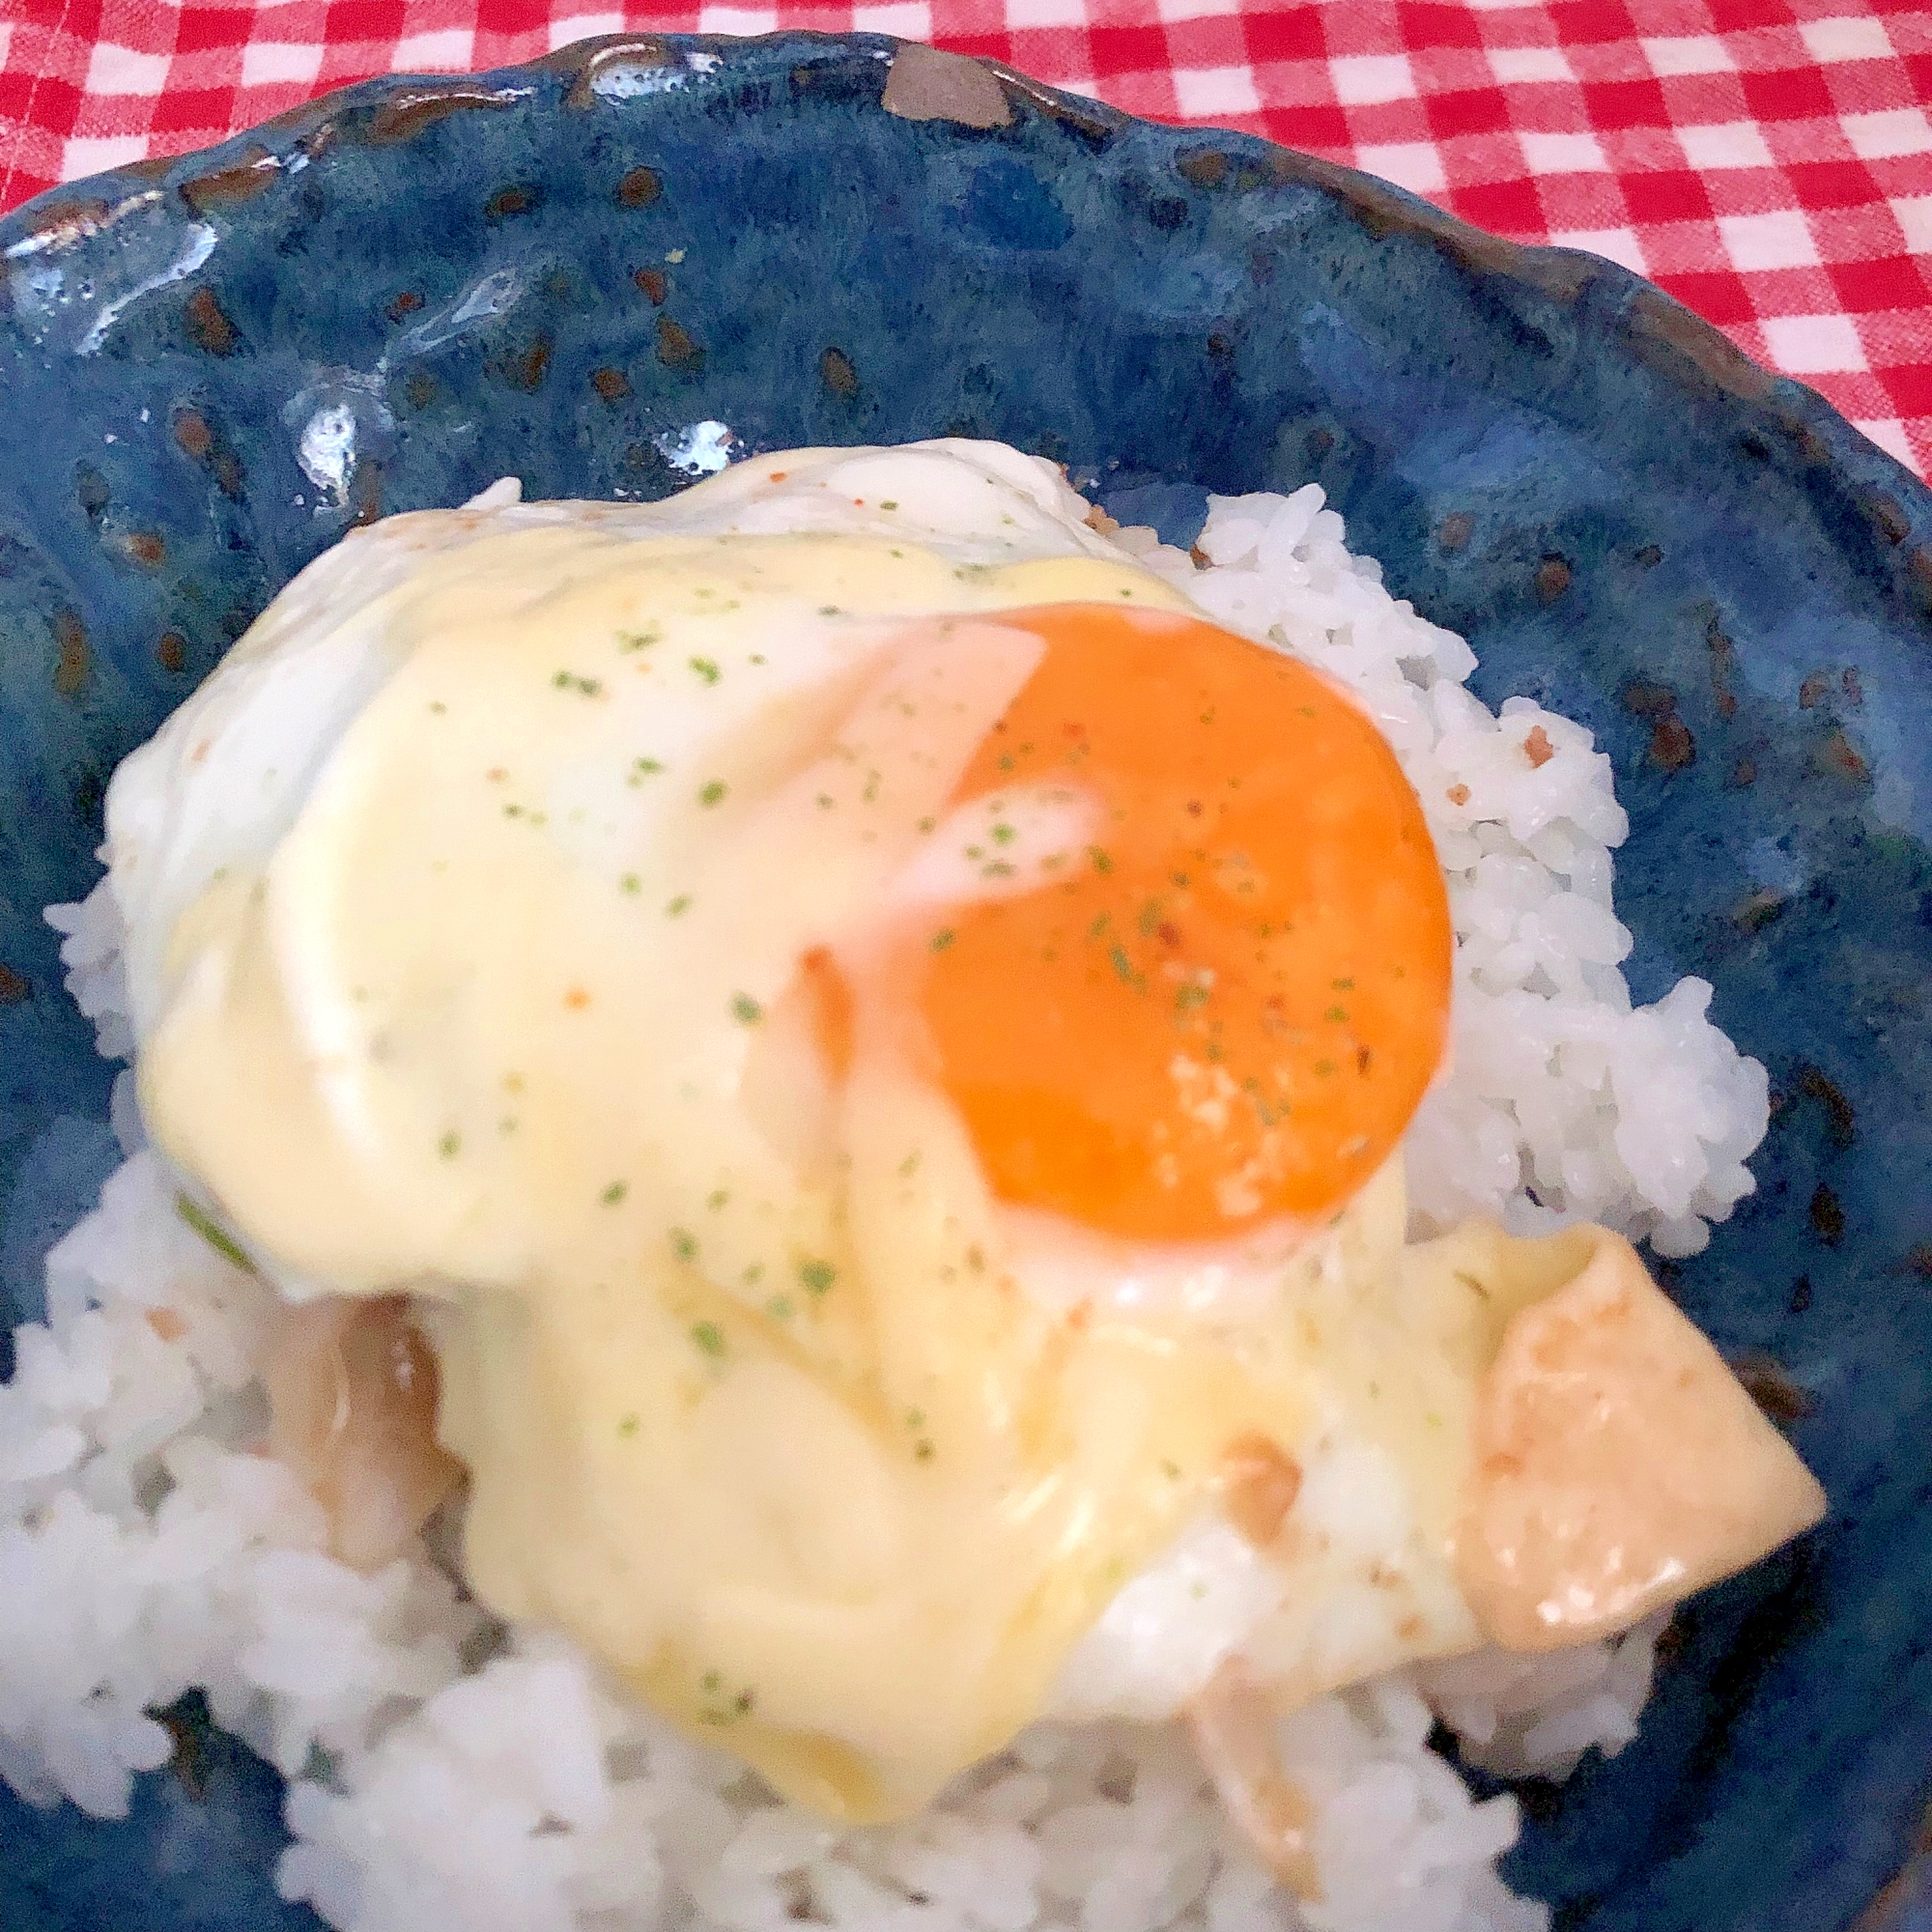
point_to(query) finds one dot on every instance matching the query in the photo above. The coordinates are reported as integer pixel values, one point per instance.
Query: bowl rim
(1681, 345)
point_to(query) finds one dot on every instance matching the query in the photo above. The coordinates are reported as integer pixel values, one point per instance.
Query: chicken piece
(352, 1393)
(1619, 1465)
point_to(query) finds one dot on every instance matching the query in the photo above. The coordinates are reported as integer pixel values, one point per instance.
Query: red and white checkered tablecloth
(1768, 162)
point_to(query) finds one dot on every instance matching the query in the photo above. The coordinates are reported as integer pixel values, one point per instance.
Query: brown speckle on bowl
(926, 84)
(1743, 774)
(516, 199)
(1757, 909)
(1204, 167)
(420, 390)
(1723, 657)
(675, 348)
(239, 181)
(1828, 1217)
(73, 660)
(171, 652)
(1839, 758)
(192, 433)
(527, 369)
(612, 384)
(1553, 578)
(639, 188)
(1769, 1385)
(146, 548)
(13, 987)
(410, 109)
(1671, 744)
(1815, 1084)
(837, 372)
(655, 283)
(406, 304)
(1454, 531)
(208, 327)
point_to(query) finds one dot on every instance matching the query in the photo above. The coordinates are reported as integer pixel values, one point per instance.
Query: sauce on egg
(877, 1039)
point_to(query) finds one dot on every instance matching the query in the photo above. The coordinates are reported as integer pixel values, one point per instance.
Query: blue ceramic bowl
(211, 367)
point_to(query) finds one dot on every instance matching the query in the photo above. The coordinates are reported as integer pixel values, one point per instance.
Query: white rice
(445, 1774)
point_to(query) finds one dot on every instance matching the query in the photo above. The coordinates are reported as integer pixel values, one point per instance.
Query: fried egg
(880, 1040)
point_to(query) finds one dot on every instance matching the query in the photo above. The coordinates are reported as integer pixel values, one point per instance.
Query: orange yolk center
(1230, 1003)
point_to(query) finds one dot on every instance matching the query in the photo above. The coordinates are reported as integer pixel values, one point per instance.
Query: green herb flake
(631, 883)
(678, 906)
(629, 1425)
(1121, 964)
(1324, 1068)
(706, 668)
(779, 1308)
(684, 1244)
(717, 1197)
(451, 1145)
(1187, 997)
(943, 938)
(915, 1418)
(640, 640)
(745, 1010)
(1102, 860)
(713, 792)
(710, 1340)
(922, 1450)
(817, 1276)
(887, 504)
(1335, 1016)
(212, 1232)
(1343, 985)
(584, 687)
(615, 1193)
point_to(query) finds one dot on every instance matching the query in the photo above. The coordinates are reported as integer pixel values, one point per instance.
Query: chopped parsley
(817, 1276)
(710, 1340)
(745, 1010)
(584, 687)
(451, 1145)
(615, 1193)
(706, 668)
(212, 1232)
(684, 1244)
(712, 792)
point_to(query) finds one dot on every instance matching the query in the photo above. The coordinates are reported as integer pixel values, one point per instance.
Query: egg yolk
(1233, 1003)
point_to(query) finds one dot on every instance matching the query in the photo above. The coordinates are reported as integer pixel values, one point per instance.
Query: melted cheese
(470, 979)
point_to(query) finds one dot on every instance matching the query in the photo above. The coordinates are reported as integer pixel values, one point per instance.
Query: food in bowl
(901, 1056)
